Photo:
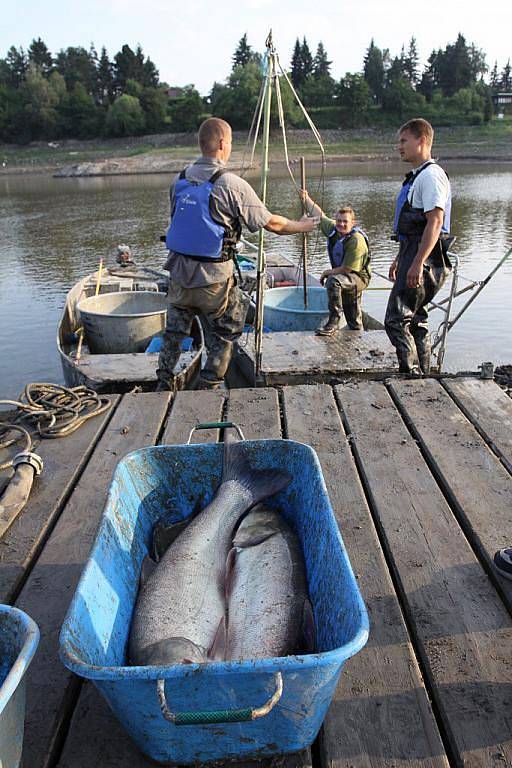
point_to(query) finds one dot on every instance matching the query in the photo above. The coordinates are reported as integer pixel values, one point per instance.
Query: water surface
(55, 230)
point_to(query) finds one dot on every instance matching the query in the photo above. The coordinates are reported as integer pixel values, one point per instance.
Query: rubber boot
(333, 323)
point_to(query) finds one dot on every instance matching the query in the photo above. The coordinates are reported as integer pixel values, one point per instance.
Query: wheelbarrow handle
(219, 715)
(215, 425)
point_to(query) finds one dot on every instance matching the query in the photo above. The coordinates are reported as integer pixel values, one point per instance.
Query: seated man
(349, 254)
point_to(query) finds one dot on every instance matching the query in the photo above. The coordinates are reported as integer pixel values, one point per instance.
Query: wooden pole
(304, 236)
(260, 279)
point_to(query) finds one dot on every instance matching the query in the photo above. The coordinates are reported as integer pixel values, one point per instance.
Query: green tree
(77, 65)
(236, 100)
(355, 97)
(301, 64)
(17, 64)
(494, 79)
(373, 71)
(243, 54)
(400, 98)
(411, 62)
(133, 88)
(39, 105)
(154, 104)
(81, 118)
(318, 91)
(126, 67)
(186, 112)
(125, 117)
(321, 64)
(506, 79)
(39, 55)
(104, 79)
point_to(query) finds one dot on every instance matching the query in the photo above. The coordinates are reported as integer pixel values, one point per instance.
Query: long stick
(304, 236)
(98, 281)
(260, 279)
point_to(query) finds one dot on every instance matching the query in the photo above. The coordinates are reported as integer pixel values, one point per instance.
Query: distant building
(502, 99)
(174, 93)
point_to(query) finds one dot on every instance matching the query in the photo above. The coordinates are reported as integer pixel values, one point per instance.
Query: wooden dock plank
(190, 408)
(489, 408)
(52, 690)
(380, 716)
(64, 459)
(256, 411)
(461, 629)
(478, 485)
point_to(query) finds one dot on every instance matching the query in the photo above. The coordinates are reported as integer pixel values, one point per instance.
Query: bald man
(209, 205)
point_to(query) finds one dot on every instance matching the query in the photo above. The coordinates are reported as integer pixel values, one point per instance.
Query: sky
(192, 42)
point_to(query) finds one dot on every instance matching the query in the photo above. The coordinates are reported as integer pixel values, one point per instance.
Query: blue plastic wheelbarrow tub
(284, 308)
(170, 481)
(19, 636)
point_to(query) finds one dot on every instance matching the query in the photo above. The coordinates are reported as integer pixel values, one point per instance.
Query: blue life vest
(410, 221)
(336, 246)
(193, 232)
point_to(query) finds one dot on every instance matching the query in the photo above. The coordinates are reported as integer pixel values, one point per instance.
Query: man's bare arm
(280, 225)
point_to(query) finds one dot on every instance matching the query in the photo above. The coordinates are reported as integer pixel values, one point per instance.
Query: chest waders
(195, 234)
(343, 291)
(406, 319)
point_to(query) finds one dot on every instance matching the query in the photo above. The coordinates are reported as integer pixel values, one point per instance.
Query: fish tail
(259, 483)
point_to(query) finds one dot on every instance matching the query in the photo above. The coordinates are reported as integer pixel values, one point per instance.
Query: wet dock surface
(419, 477)
(299, 357)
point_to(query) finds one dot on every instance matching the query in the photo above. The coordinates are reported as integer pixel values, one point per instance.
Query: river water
(55, 230)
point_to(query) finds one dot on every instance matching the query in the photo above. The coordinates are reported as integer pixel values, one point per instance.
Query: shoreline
(169, 153)
(123, 167)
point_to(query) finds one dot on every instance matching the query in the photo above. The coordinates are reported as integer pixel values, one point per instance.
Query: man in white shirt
(421, 225)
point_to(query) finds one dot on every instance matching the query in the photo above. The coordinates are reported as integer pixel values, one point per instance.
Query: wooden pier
(419, 477)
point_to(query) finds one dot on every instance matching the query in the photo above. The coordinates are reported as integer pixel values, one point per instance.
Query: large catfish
(269, 613)
(180, 608)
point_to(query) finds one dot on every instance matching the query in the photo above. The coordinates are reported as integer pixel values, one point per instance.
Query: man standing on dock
(208, 207)
(421, 226)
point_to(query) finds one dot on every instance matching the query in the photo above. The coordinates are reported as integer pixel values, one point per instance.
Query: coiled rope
(51, 411)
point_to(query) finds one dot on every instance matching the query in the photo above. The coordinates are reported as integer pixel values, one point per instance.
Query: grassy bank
(160, 153)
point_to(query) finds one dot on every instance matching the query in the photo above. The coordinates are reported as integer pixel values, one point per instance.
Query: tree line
(80, 94)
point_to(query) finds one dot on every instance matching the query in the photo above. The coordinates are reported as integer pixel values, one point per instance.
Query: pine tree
(39, 55)
(411, 63)
(105, 79)
(307, 60)
(321, 64)
(373, 71)
(506, 78)
(17, 64)
(494, 80)
(296, 64)
(243, 54)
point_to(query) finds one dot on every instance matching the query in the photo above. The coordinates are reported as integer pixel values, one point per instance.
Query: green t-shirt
(356, 251)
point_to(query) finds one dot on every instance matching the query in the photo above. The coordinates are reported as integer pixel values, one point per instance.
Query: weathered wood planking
(477, 484)
(256, 411)
(489, 408)
(52, 690)
(461, 628)
(189, 409)
(301, 357)
(64, 459)
(95, 737)
(380, 715)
